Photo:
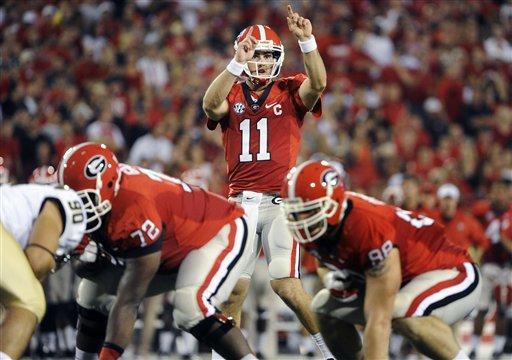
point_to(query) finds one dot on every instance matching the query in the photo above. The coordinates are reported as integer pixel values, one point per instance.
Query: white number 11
(245, 128)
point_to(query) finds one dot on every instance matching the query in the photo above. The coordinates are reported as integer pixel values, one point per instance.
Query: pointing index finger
(290, 11)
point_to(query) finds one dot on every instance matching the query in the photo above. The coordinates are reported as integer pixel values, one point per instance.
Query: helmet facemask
(266, 46)
(95, 207)
(308, 220)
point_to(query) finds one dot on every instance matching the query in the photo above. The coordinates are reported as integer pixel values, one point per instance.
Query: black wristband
(113, 346)
(41, 247)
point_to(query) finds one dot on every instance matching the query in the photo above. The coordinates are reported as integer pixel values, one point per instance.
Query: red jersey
(465, 230)
(153, 211)
(261, 136)
(371, 229)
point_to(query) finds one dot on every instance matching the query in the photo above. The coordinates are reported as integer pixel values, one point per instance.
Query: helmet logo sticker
(330, 177)
(95, 166)
(277, 200)
(239, 108)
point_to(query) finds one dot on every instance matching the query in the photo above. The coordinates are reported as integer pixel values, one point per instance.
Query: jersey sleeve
(374, 238)
(138, 231)
(74, 218)
(294, 84)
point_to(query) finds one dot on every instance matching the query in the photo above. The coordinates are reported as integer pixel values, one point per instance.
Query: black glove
(94, 259)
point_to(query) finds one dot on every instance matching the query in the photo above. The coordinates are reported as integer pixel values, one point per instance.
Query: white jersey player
(36, 222)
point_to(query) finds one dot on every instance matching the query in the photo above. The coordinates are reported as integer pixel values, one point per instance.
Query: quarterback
(392, 268)
(260, 116)
(37, 223)
(170, 236)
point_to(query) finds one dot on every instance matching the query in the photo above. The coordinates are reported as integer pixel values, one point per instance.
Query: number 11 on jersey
(245, 128)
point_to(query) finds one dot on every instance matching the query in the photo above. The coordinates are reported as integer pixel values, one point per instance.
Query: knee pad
(212, 328)
(279, 268)
(186, 309)
(89, 298)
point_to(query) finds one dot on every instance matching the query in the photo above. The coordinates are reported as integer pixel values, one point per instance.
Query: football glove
(341, 285)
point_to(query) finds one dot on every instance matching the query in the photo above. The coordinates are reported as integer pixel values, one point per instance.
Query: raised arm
(382, 285)
(132, 289)
(215, 104)
(311, 89)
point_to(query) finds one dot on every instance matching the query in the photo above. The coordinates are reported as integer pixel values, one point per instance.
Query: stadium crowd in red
(417, 87)
(419, 92)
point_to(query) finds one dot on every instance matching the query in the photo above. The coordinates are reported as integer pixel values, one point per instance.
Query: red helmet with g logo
(92, 170)
(266, 41)
(313, 197)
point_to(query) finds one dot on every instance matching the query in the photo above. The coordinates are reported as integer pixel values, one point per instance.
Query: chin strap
(258, 83)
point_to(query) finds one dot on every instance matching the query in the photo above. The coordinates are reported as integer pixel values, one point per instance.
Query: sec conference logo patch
(239, 108)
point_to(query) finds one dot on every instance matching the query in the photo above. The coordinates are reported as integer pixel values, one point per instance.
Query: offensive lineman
(171, 236)
(393, 268)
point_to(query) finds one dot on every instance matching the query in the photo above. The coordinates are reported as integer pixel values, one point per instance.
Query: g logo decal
(277, 200)
(330, 178)
(95, 166)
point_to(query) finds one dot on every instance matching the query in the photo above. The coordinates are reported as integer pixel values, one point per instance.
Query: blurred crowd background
(419, 92)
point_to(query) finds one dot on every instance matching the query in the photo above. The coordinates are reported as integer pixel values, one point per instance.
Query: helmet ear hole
(110, 184)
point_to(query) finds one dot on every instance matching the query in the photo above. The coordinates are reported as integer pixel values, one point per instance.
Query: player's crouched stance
(170, 236)
(393, 268)
(36, 223)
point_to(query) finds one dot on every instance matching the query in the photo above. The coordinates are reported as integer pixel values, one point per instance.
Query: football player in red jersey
(260, 119)
(392, 268)
(171, 236)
